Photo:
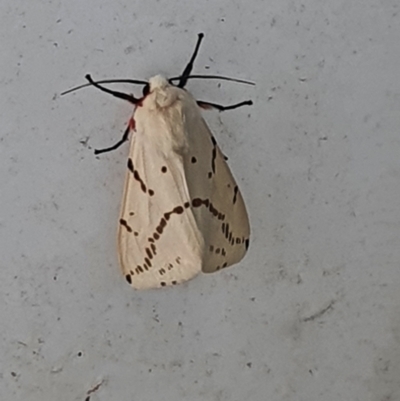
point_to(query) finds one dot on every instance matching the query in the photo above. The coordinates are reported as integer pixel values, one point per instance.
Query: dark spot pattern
(197, 202)
(193, 160)
(126, 225)
(213, 154)
(137, 177)
(235, 192)
(163, 169)
(213, 157)
(218, 251)
(151, 249)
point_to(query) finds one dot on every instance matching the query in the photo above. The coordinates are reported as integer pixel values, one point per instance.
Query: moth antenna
(189, 67)
(221, 77)
(120, 95)
(106, 81)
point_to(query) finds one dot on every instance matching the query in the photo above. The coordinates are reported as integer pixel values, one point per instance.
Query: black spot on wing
(130, 165)
(137, 177)
(235, 192)
(126, 225)
(213, 154)
(178, 210)
(213, 157)
(149, 254)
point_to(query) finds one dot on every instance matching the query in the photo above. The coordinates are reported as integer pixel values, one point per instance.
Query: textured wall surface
(312, 312)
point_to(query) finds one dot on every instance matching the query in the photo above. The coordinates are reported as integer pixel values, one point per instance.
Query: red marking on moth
(132, 124)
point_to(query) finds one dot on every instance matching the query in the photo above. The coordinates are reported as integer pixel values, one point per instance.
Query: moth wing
(159, 243)
(217, 203)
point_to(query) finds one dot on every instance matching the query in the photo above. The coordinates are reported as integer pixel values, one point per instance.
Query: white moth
(182, 211)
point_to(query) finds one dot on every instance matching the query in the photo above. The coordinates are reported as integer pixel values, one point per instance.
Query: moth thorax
(162, 91)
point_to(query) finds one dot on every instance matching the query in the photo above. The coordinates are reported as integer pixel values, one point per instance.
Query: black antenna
(222, 78)
(106, 81)
(188, 69)
(120, 95)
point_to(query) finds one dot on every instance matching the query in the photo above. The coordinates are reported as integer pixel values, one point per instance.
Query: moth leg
(120, 95)
(208, 105)
(118, 144)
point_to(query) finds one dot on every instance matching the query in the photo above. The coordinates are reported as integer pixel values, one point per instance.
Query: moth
(182, 211)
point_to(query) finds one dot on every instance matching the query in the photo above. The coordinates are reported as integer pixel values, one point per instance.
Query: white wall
(312, 313)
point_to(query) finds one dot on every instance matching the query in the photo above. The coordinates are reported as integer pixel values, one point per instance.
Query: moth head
(158, 82)
(161, 90)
